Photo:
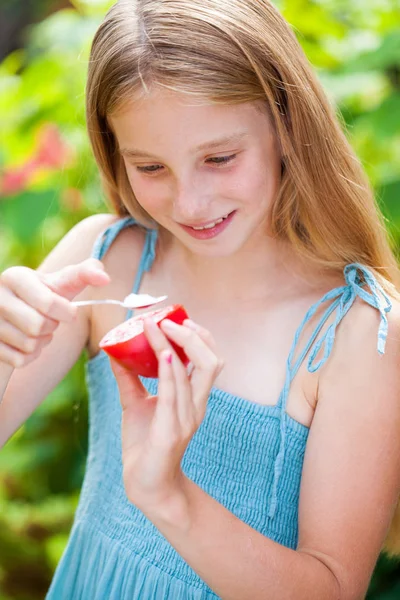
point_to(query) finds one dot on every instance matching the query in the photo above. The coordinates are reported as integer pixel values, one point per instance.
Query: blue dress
(247, 456)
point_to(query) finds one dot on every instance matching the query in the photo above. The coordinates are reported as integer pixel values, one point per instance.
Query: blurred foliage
(48, 182)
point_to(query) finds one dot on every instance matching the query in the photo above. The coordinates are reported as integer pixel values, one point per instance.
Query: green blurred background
(48, 182)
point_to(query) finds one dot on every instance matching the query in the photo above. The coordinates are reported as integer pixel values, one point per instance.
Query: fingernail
(168, 357)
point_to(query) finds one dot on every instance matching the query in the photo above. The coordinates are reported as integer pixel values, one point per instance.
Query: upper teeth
(211, 225)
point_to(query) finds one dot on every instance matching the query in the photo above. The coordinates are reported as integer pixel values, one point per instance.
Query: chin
(217, 249)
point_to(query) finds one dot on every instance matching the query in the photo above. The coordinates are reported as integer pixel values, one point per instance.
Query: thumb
(129, 385)
(71, 280)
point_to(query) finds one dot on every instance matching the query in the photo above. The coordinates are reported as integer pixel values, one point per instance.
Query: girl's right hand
(33, 304)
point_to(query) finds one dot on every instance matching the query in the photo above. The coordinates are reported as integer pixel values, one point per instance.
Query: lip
(203, 224)
(205, 234)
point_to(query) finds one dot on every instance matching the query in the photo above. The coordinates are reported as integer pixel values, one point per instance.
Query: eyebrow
(226, 140)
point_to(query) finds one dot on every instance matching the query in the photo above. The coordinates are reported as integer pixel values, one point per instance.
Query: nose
(192, 199)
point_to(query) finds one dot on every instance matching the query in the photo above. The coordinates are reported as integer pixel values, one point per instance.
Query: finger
(160, 344)
(155, 337)
(198, 351)
(187, 410)
(158, 340)
(192, 394)
(29, 287)
(22, 316)
(206, 336)
(11, 356)
(165, 427)
(203, 333)
(130, 387)
(206, 364)
(41, 343)
(14, 337)
(18, 359)
(28, 358)
(73, 279)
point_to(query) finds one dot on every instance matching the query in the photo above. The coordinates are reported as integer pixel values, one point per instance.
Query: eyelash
(216, 160)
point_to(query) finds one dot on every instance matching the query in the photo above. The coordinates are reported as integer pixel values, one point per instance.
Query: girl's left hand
(156, 430)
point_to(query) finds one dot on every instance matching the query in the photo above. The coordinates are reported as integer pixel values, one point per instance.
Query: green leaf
(13, 62)
(93, 7)
(385, 120)
(55, 547)
(64, 31)
(366, 89)
(25, 213)
(390, 198)
(384, 57)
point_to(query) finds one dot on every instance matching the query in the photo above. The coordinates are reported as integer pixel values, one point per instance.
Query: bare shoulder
(356, 344)
(129, 241)
(125, 252)
(357, 378)
(122, 259)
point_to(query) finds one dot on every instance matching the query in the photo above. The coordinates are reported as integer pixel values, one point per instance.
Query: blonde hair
(233, 51)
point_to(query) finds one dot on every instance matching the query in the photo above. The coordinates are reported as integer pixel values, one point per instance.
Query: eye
(149, 169)
(221, 160)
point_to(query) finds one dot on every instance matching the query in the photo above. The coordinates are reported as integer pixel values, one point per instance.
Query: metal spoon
(131, 301)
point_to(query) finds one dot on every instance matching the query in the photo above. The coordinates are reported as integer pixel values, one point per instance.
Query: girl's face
(192, 164)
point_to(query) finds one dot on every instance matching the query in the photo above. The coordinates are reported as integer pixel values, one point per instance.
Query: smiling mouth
(210, 224)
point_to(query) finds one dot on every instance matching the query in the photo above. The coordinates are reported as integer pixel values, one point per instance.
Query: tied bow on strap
(356, 277)
(377, 298)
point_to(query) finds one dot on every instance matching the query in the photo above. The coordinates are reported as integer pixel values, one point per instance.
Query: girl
(269, 469)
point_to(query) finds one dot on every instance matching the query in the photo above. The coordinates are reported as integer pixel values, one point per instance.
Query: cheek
(257, 183)
(150, 193)
(267, 173)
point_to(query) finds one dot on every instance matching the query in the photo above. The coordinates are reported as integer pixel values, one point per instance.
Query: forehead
(163, 115)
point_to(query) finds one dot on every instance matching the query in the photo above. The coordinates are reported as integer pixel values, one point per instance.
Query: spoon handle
(132, 301)
(89, 302)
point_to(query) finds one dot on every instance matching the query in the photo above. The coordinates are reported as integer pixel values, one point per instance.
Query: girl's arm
(5, 374)
(23, 389)
(349, 491)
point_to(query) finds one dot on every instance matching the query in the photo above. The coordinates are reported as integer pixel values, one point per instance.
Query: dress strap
(356, 277)
(106, 238)
(146, 262)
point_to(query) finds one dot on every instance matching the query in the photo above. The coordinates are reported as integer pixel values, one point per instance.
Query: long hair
(229, 52)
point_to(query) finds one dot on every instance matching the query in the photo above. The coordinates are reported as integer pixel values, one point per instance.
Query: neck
(258, 273)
